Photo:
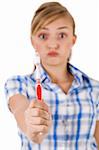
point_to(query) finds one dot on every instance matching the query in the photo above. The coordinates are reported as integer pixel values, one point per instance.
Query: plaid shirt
(74, 114)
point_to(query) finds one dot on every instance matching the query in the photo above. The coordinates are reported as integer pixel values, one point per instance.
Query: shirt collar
(79, 76)
(78, 79)
(44, 77)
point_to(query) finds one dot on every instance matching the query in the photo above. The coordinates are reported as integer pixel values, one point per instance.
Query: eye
(43, 36)
(62, 35)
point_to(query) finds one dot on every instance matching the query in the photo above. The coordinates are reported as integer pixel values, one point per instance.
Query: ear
(32, 41)
(74, 39)
(34, 44)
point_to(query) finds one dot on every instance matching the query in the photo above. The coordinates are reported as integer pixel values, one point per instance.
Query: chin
(53, 63)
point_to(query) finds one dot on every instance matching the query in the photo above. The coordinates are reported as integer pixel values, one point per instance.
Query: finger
(39, 121)
(37, 112)
(38, 128)
(39, 104)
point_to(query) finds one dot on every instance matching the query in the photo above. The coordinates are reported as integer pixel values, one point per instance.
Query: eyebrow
(64, 27)
(59, 28)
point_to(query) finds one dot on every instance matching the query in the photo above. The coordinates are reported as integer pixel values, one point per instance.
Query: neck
(58, 74)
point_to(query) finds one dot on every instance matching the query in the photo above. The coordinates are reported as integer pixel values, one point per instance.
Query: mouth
(52, 54)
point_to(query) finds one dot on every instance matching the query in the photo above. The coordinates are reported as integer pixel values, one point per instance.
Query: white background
(16, 52)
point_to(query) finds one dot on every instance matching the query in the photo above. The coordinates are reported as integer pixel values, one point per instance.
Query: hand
(38, 120)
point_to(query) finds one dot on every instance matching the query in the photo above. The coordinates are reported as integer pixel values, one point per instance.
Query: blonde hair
(47, 13)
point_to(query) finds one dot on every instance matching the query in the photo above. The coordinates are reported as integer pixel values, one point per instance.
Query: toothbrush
(38, 82)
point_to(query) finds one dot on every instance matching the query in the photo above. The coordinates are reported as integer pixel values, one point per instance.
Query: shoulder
(86, 78)
(90, 84)
(18, 81)
(95, 87)
(18, 84)
(20, 78)
(85, 81)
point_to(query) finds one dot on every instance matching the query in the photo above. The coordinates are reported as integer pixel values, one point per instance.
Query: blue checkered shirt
(74, 114)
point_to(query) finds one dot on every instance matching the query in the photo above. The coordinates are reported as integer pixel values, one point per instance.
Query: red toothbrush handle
(39, 91)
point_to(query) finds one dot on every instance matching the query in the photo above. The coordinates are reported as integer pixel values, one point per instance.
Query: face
(54, 42)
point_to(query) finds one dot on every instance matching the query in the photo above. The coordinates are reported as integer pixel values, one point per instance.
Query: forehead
(60, 23)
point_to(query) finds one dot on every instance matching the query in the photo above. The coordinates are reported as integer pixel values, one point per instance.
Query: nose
(53, 44)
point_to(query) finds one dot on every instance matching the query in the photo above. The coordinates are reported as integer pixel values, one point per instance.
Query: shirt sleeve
(97, 109)
(15, 85)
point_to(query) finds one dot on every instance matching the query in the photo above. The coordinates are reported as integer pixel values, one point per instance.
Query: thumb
(32, 104)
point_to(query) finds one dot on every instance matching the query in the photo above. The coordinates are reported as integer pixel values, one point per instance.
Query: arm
(97, 133)
(18, 104)
(32, 118)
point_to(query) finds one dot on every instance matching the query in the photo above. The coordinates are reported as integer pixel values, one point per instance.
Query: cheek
(38, 47)
(40, 50)
(69, 45)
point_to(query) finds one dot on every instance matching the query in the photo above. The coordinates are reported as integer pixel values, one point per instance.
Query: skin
(97, 133)
(58, 37)
(32, 117)
(53, 42)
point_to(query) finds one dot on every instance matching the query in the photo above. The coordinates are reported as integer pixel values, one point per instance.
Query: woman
(68, 116)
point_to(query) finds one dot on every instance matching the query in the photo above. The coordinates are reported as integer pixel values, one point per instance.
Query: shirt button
(64, 122)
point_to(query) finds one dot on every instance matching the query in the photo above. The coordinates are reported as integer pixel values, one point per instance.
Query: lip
(52, 53)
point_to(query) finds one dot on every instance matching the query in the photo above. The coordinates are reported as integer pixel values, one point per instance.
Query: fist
(38, 120)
